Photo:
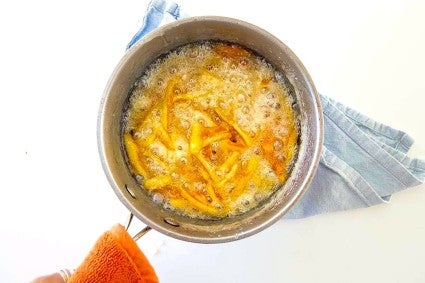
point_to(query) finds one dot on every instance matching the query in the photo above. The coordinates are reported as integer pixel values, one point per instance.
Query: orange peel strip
(164, 137)
(212, 194)
(133, 155)
(225, 167)
(179, 203)
(247, 139)
(251, 167)
(158, 161)
(239, 189)
(215, 138)
(183, 97)
(210, 189)
(208, 167)
(157, 182)
(144, 143)
(204, 174)
(195, 143)
(229, 175)
(199, 205)
(167, 102)
(231, 146)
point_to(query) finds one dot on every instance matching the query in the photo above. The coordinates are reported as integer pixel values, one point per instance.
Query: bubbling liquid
(210, 131)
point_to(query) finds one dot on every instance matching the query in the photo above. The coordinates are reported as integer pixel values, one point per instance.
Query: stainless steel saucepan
(131, 67)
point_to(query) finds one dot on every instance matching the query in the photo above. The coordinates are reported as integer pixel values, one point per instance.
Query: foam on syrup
(211, 129)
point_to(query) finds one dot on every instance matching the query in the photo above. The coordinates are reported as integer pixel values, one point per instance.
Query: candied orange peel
(211, 138)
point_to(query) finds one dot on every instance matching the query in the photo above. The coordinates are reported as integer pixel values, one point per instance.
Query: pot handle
(141, 233)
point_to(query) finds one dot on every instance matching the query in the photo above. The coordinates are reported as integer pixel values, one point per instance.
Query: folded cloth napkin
(115, 257)
(363, 162)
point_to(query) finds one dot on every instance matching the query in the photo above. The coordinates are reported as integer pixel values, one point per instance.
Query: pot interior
(132, 67)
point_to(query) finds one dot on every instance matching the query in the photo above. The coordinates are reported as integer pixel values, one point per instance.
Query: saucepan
(132, 66)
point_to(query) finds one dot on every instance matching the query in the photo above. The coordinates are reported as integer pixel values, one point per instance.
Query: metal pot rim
(102, 132)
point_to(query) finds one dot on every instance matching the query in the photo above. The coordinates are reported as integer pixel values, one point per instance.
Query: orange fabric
(115, 258)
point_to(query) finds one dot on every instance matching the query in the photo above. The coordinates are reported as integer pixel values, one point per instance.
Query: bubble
(183, 160)
(177, 91)
(194, 54)
(243, 62)
(139, 179)
(185, 124)
(173, 70)
(277, 145)
(243, 123)
(199, 186)
(280, 156)
(278, 76)
(155, 151)
(209, 199)
(160, 82)
(233, 66)
(141, 83)
(158, 198)
(252, 134)
(258, 197)
(257, 151)
(167, 206)
(230, 186)
(282, 131)
(179, 147)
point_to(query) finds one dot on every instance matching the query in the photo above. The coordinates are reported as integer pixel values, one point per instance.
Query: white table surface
(55, 59)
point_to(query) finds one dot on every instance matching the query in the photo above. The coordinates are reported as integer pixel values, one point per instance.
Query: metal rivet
(130, 191)
(171, 222)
